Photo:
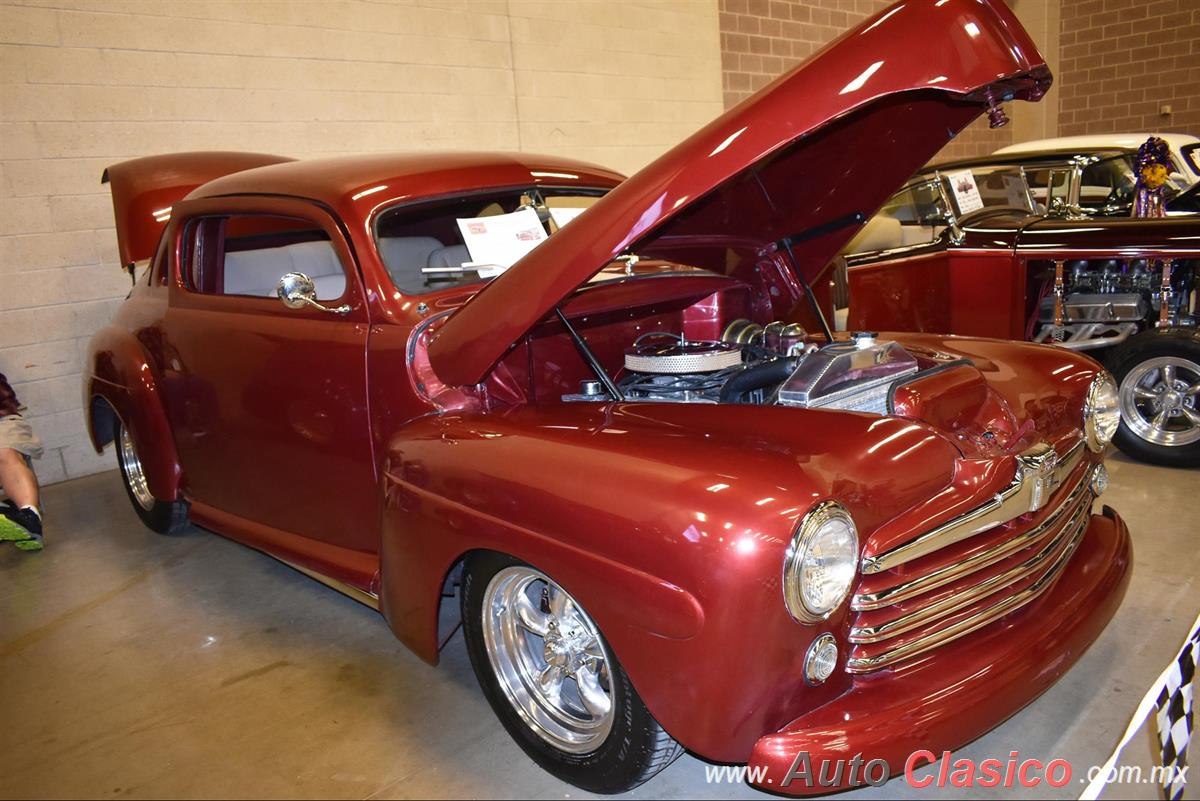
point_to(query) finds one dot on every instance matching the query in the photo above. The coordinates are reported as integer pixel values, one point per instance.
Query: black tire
(1181, 344)
(162, 517)
(634, 750)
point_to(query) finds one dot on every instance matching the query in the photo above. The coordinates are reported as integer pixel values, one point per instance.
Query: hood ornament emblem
(1039, 468)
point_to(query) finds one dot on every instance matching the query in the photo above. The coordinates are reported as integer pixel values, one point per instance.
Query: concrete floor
(145, 666)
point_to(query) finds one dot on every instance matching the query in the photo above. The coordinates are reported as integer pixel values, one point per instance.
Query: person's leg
(20, 517)
(17, 480)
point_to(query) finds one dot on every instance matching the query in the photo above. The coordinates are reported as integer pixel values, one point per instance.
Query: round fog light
(1099, 479)
(821, 659)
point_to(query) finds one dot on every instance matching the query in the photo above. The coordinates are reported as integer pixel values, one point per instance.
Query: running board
(291, 549)
(365, 598)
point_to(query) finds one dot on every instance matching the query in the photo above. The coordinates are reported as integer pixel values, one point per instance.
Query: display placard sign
(966, 192)
(563, 216)
(498, 242)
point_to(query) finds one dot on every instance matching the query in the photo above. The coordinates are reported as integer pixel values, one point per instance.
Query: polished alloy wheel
(1160, 401)
(135, 476)
(549, 660)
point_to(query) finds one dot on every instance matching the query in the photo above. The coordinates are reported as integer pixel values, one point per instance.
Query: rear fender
(121, 381)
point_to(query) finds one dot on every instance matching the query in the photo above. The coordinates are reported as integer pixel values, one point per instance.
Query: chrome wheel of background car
(549, 660)
(135, 476)
(1160, 401)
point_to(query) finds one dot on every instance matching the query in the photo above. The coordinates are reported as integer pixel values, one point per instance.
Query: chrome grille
(965, 583)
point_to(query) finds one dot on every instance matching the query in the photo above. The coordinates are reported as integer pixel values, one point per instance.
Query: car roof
(1125, 141)
(373, 177)
(1003, 159)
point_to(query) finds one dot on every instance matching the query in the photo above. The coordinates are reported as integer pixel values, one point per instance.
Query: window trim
(189, 225)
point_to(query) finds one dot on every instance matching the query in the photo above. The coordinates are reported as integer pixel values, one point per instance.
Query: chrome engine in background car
(1096, 303)
(763, 365)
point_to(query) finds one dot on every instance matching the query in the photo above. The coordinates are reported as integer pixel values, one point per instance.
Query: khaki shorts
(15, 433)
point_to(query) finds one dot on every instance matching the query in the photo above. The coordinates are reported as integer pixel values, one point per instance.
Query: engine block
(1105, 301)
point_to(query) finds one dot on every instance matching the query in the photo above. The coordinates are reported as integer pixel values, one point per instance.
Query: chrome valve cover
(855, 375)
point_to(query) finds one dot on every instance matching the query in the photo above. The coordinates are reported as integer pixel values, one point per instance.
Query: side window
(1191, 153)
(1106, 182)
(247, 254)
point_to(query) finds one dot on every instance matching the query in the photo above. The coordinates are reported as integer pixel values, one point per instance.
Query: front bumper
(961, 690)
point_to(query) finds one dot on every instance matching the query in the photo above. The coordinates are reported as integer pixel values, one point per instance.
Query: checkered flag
(1175, 718)
(1171, 694)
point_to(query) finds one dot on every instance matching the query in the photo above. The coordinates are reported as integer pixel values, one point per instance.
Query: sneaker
(22, 527)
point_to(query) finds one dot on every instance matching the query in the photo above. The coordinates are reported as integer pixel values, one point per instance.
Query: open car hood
(143, 191)
(810, 156)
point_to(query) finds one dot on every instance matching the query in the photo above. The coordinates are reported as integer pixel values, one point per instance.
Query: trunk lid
(144, 189)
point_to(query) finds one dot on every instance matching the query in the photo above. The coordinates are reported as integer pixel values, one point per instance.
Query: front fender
(668, 523)
(120, 374)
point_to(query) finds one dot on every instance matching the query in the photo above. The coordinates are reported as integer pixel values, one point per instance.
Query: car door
(268, 404)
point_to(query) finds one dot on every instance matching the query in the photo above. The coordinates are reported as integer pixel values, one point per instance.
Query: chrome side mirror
(297, 291)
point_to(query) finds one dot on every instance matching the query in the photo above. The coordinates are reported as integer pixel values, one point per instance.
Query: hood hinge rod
(785, 245)
(590, 357)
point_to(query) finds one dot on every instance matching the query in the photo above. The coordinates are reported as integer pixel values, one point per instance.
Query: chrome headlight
(821, 563)
(1101, 412)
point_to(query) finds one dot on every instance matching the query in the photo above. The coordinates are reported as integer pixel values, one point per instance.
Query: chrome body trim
(366, 598)
(981, 618)
(1039, 472)
(930, 581)
(1034, 565)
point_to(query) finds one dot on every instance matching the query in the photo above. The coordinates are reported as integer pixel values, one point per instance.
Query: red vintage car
(675, 516)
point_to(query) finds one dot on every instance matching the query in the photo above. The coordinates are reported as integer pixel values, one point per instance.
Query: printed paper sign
(496, 243)
(1014, 190)
(563, 216)
(966, 192)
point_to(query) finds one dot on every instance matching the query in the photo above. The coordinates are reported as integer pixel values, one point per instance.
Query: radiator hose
(756, 376)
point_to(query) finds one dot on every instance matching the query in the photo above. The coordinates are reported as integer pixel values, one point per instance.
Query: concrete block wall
(84, 83)
(1123, 60)
(761, 39)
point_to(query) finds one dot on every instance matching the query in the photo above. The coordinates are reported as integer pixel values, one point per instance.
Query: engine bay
(775, 364)
(1086, 304)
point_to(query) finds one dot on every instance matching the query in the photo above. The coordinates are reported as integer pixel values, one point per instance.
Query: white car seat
(257, 272)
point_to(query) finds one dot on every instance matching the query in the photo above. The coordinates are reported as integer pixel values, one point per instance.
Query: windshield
(921, 208)
(1106, 186)
(425, 247)
(975, 189)
(1186, 202)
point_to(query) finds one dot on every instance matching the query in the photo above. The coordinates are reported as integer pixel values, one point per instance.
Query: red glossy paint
(143, 191)
(942, 703)
(345, 445)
